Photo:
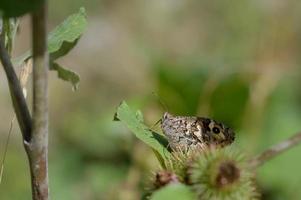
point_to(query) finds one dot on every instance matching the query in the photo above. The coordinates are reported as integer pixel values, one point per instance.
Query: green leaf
(9, 28)
(142, 132)
(174, 192)
(66, 74)
(15, 8)
(65, 36)
(60, 41)
(139, 116)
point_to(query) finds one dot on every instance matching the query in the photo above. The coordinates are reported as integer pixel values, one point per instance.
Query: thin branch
(276, 150)
(23, 77)
(25, 71)
(19, 102)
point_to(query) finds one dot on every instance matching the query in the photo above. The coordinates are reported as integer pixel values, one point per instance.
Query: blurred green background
(236, 61)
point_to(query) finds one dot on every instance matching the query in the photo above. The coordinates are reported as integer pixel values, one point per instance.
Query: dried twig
(276, 150)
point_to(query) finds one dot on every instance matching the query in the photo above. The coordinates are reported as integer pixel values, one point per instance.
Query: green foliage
(174, 192)
(65, 36)
(10, 27)
(141, 131)
(16, 8)
(62, 39)
(66, 74)
(60, 42)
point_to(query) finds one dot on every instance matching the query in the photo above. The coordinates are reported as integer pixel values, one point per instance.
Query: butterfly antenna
(163, 106)
(160, 101)
(153, 126)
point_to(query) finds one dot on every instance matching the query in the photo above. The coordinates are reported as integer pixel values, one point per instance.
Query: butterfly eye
(216, 130)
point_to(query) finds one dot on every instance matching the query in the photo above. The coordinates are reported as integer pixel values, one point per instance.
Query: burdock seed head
(163, 178)
(222, 174)
(180, 163)
(228, 173)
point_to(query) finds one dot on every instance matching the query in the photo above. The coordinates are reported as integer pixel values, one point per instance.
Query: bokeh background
(237, 61)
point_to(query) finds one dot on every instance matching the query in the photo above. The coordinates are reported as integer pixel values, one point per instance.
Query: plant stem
(37, 149)
(34, 131)
(275, 150)
(18, 99)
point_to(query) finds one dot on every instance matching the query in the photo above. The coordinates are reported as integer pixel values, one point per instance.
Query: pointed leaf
(141, 131)
(65, 36)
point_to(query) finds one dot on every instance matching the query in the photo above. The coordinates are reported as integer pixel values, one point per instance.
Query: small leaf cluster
(60, 41)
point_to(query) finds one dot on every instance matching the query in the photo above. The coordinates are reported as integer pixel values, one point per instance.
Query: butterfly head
(218, 132)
